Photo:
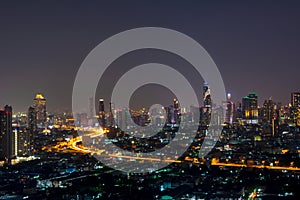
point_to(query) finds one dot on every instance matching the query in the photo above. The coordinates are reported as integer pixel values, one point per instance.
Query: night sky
(42, 45)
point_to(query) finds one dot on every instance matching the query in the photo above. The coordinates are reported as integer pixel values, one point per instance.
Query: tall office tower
(31, 119)
(295, 99)
(31, 128)
(23, 140)
(91, 112)
(101, 105)
(295, 108)
(206, 110)
(238, 114)
(268, 111)
(170, 114)
(110, 118)
(101, 113)
(15, 138)
(250, 108)
(121, 118)
(6, 134)
(206, 96)
(39, 104)
(229, 110)
(177, 112)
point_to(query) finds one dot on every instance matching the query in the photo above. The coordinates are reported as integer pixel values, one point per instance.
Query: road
(73, 144)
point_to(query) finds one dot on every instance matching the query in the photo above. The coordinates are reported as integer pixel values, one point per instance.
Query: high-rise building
(170, 114)
(39, 104)
(15, 137)
(101, 113)
(295, 99)
(122, 118)
(22, 136)
(229, 110)
(23, 141)
(268, 111)
(207, 97)
(91, 112)
(250, 108)
(205, 111)
(101, 105)
(295, 108)
(6, 134)
(238, 114)
(31, 129)
(177, 112)
(110, 117)
(31, 119)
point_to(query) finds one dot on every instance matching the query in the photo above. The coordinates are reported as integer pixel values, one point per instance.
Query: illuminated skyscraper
(39, 104)
(177, 112)
(170, 114)
(295, 99)
(229, 109)
(122, 118)
(205, 111)
(101, 113)
(250, 108)
(31, 119)
(295, 108)
(101, 105)
(238, 114)
(31, 128)
(110, 117)
(207, 97)
(268, 111)
(6, 134)
(23, 141)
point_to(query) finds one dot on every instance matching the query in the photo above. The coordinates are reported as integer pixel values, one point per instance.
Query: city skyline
(41, 52)
(288, 100)
(149, 99)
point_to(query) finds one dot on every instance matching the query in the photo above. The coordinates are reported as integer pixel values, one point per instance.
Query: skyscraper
(24, 141)
(295, 99)
(207, 97)
(6, 134)
(101, 113)
(250, 108)
(101, 105)
(268, 111)
(91, 112)
(110, 117)
(177, 112)
(122, 118)
(39, 104)
(31, 119)
(170, 114)
(205, 111)
(295, 109)
(229, 109)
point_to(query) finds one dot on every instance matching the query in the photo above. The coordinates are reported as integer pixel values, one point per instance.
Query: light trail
(73, 144)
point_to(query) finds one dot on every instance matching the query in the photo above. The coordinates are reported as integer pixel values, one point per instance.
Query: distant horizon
(62, 110)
